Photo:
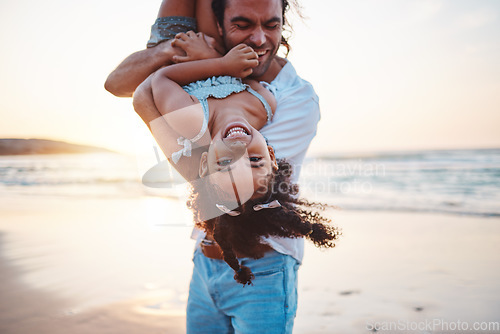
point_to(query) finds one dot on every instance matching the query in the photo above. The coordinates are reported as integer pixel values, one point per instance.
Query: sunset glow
(389, 74)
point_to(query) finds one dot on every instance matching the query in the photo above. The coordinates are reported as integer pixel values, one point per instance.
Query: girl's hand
(197, 46)
(240, 61)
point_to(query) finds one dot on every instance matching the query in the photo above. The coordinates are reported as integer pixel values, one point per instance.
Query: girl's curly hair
(243, 234)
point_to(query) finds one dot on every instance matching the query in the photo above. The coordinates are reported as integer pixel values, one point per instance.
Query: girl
(239, 177)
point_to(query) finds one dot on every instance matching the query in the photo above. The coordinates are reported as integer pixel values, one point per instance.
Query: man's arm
(196, 46)
(134, 69)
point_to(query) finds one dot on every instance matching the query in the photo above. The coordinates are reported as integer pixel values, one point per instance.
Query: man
(217, 304)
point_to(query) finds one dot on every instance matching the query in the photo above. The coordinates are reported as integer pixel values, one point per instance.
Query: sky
(390, 74)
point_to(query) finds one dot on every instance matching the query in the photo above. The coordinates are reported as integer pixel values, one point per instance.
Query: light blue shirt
(290, 133)
(295, 120)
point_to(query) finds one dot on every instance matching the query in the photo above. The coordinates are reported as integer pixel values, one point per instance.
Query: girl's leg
(206, 20)
(177, 8)
(174, 16)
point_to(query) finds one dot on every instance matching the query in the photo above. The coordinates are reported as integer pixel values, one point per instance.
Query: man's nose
(258, 36)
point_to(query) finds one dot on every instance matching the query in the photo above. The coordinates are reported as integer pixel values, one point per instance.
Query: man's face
(256, 23)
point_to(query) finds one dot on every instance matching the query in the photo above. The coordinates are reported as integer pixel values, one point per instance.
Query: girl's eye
(255, 159)
(224, 162)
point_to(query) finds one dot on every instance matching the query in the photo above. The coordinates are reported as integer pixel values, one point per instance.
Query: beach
(391, 123)
(73, 264)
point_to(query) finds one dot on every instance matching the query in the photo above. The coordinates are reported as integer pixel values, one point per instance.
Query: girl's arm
(168, 94)
(238, 62)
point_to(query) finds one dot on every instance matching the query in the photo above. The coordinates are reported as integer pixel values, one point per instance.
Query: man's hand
(197, 46)
(240, 61)
(134, 69)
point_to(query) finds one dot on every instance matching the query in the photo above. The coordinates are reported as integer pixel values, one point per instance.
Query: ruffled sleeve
(218, 87)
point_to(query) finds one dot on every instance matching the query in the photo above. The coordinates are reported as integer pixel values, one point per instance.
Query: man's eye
(224, 162)
(242, 26)
(273, 26)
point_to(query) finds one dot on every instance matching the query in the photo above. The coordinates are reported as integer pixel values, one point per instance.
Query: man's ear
(274, 163)
(203, 170)
(219, 28)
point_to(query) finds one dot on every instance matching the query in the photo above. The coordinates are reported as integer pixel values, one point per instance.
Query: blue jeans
(218, 304)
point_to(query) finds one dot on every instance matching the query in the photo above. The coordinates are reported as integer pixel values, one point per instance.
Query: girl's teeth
(236, 131)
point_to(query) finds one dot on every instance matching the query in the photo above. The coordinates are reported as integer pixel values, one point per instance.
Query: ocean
(462, 182)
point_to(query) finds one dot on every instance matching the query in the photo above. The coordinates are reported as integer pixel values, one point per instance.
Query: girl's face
(239, 162)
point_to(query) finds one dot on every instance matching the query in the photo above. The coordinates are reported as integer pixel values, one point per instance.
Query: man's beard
(262, 68)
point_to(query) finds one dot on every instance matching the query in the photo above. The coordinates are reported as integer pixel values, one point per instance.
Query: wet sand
(79, 265)
(27, 310)
(408, 269)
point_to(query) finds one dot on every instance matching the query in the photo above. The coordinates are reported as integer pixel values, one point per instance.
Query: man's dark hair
(219, 6)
